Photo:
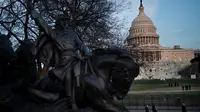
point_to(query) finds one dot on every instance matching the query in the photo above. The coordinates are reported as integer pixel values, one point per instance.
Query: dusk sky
(177, 21)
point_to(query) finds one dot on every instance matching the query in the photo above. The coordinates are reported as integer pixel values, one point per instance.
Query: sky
(177, 21)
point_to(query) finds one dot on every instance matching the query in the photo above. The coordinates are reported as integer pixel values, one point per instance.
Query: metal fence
(165, 102)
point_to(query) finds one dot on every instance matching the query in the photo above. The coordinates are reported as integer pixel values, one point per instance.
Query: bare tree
(93, 20)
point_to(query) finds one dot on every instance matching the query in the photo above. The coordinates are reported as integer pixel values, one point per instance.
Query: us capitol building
(143, 40)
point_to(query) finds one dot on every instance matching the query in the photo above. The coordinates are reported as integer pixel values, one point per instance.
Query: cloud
(178, 30)
(151, 7)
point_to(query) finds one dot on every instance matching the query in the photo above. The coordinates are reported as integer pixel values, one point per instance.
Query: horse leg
(78, 86)
(68, 85)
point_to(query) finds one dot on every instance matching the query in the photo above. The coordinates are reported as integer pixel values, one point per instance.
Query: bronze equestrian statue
(93, 80)
(105, 75)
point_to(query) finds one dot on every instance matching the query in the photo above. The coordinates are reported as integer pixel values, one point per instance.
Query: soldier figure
(66, 41)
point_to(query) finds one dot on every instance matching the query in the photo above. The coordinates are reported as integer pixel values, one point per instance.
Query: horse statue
(103, 77)
(6, 56)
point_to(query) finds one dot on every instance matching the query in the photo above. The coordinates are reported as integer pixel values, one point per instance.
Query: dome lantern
(141, 8)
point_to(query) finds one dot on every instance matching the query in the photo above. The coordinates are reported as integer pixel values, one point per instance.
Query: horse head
(26, 61)
(7, 54)
(119, 69)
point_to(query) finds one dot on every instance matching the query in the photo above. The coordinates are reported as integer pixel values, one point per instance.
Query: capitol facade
(162, 62)
(144, 41)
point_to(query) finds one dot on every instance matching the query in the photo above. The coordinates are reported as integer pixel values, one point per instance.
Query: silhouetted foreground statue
(75, 83)
(106, 74)
(7, 54)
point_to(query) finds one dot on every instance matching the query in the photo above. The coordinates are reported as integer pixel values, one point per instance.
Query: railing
(167, 102)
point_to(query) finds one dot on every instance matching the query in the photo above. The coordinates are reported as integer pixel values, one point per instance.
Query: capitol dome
(143, 39)
(142, 19)
(142, 30)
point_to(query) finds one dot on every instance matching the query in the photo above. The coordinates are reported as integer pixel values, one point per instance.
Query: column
(143, 56)
(137, 40)
(149, 40)
(155, 40)
(153, 56)
(146, 56)
(149, 56)
(152, 40)
(142, 40)
(145, 38)
(160, 55)
(157, 56)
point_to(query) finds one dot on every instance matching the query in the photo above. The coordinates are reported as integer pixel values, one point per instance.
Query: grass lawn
(159, 92)
(152, 84)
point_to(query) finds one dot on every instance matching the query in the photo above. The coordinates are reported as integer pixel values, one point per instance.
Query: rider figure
(66, 42)
(6, 46)
(6, 52)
